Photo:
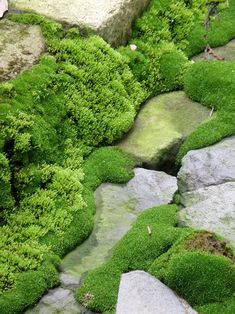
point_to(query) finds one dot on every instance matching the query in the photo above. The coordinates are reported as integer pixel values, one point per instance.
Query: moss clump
(211, 84)
(136, 250)
(220, 31)
(199, 267)
(160, 35)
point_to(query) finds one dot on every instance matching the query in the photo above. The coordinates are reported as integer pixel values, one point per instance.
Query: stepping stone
(161, 126)
(211, 165)
(111, 19)
(211, 208)
(147, 189)
(226, 51)
(20, 47)
(141, 293)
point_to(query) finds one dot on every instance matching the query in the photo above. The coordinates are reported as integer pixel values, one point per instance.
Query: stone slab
(141, 293)
(161, 126)
(111, 19)
(211, 208)
(20, 47)
(211, 165)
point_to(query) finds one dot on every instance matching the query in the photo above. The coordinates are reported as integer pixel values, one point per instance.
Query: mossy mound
(211, 84)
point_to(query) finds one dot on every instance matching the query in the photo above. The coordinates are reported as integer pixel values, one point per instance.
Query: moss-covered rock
(161, 126)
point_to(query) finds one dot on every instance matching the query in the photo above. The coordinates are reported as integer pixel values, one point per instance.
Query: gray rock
(147, 189)
(211, 208)
(117, 207)
(160, 127)
(110, 19)
(208, 166)
(20, 47)
(68, 280)
(141, 293)
(227, 52)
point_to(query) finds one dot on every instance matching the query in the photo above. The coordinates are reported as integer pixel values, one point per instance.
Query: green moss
(201, 277)
(221, 30)
(226, 307)
(211, 84)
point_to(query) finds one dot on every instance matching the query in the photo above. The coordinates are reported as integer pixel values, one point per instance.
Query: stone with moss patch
(161, 126)
(20, 47)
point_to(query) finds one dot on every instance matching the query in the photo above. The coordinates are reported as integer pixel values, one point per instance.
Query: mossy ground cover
(82, 95)
(211, 84)
(196, 264)
(79, 96)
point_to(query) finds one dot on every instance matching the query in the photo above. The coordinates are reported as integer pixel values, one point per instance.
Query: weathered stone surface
(211, 208)
(227, 52)
(161, 126)
(117, 207)
(212, 165)
(141, 293)
(110, 19)
(147, 189)
(20, 48)
(58, 300)
(68, 281)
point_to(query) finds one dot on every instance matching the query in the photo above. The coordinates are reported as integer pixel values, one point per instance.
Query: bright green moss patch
(211, 84)
(226, 307)
(158, 62)
(220, 31)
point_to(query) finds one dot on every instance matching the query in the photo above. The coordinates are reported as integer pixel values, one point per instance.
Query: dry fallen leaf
(3, 7)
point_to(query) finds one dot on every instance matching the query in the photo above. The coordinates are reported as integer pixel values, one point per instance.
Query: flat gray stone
(20, 47)
(147, 189)
(211, 208)
(111, 19)
(161, 126)
(58, 300)
(227, 52)
(212, 165)
(68, 281)
(141, 293)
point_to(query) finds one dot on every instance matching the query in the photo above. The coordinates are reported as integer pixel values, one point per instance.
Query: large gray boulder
(207, 186)
(141, 293)
(161, 126)
(211, 208)
(212, 165)
(20, 47)
(111, 19)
